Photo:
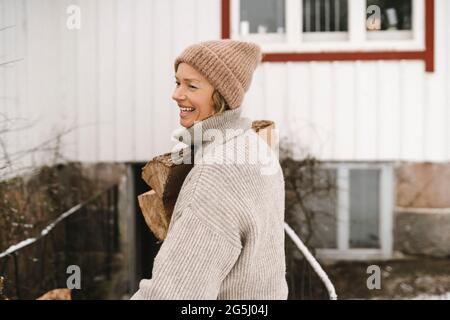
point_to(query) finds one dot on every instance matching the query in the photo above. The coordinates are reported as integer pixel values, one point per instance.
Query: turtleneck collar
(217, 129)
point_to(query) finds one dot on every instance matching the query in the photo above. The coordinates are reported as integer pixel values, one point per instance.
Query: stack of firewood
(165, 179)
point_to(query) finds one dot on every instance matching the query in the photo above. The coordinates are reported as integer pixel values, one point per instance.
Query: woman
(226, 236)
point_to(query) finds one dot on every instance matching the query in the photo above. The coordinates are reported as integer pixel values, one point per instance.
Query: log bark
(164, 176)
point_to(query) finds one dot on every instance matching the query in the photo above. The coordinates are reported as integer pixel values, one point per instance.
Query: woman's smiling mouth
(185, 111)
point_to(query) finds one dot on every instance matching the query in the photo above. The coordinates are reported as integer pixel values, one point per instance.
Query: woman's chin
(186, 122)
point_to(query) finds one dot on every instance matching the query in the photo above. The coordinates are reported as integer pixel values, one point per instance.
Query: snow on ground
(445, 296)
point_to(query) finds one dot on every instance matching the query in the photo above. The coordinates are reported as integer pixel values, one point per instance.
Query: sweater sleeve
(191, 263)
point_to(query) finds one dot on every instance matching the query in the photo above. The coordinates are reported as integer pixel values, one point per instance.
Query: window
(332, 30)
(364, 208)
(325, 20)
(354, 220)
(390, 20)
(262, 17)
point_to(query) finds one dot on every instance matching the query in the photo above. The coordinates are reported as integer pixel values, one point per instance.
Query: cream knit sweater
(226, 236)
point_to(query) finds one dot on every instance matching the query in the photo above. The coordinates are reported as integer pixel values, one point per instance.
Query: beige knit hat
(227, 64)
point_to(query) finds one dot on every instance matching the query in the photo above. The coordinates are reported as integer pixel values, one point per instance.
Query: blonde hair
(219, 102)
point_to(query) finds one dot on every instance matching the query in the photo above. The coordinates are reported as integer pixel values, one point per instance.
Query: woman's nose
(178, 94)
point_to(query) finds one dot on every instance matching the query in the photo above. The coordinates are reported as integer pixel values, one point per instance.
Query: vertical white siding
(43, 88)
(389, 106)
(299, 108)
(144, 34)
(107, 102)
(412, 111)
(111, 84)
(125, 84)
(87, 82)
(343, 112)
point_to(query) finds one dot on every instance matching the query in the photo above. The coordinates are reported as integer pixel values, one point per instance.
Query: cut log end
(157, 214)
(261, 124)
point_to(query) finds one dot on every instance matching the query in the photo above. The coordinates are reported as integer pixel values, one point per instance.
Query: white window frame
(386, 192)
(356, 39)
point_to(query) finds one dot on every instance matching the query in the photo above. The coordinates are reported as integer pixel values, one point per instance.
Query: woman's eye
(177, 83)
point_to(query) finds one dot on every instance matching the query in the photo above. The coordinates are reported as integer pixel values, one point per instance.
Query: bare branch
(7, 27)
(6, 63)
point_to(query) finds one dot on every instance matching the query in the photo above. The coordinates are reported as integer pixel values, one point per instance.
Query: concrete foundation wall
(422, 216)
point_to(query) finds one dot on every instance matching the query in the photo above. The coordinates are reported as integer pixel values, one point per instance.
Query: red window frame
(426, 55)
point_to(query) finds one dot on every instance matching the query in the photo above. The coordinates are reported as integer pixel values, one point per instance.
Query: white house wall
(110, 84)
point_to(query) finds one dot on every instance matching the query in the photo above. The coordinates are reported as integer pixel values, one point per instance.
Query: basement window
(354, 220)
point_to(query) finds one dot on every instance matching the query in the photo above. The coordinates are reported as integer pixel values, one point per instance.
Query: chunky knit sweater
(226, 236)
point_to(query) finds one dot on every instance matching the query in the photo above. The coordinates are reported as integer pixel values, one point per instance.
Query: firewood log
(156, 213)
(57, 294)
(164, 176)
(264, 128)
(2, 296)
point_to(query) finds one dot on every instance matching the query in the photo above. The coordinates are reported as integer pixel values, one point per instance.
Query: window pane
(389, 15)
(364, 208)
(262, 16)
(325, 15)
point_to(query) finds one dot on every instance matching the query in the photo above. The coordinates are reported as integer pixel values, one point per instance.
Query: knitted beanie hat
(227, 64)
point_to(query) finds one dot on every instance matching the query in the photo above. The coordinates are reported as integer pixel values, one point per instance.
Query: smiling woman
(225, 239)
